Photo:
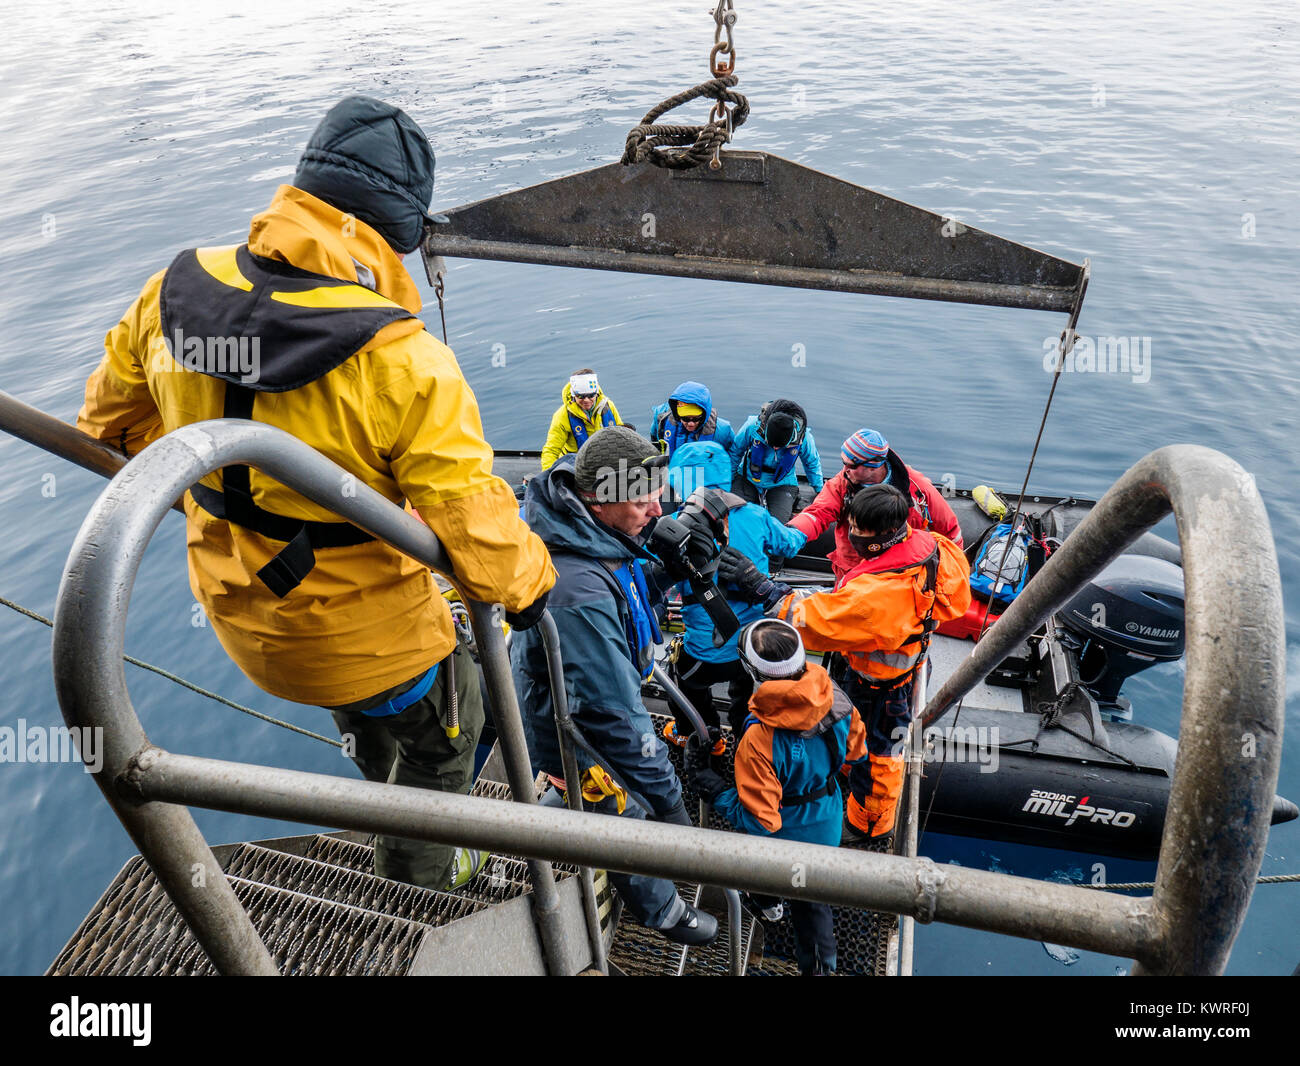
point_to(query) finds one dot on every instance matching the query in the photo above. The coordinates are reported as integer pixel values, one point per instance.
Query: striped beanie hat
(865, 446)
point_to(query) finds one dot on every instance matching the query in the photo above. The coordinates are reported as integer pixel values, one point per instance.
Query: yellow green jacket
(398, 415)
(560, 439)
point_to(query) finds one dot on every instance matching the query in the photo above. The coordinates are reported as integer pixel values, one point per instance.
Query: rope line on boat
(1272, 879)
(1051, 719)
(188, 684)
(1066, 344)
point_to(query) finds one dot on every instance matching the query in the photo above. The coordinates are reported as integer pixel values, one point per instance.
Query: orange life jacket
(883, 607)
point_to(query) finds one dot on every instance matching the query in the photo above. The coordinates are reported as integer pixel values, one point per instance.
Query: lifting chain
(724, 17)
(683, 147)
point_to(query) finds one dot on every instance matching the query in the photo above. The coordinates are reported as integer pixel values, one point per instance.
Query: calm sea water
(1158, 141)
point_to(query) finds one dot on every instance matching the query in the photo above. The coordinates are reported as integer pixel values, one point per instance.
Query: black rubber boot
(694, 928)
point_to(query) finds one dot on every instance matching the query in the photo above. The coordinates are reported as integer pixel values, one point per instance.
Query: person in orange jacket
(877, 620)
(311, 327)
(869, 460)
(800, 731)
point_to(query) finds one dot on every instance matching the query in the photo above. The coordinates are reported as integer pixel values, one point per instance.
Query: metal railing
(1219, 808)
(1230, 736)
(572, 779)
(910, 806)
(89, 626)
(736, 961)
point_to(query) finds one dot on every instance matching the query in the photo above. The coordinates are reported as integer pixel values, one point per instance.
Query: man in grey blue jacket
(591, 511)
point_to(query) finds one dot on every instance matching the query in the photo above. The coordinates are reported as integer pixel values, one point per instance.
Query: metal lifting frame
(1219, 807)
(759, 219)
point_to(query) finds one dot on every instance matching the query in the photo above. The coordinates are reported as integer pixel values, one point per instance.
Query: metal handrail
(1230, 735)
(912, 807)
(572, 779)
(735, 918)
(89, 629)
(1186, 927)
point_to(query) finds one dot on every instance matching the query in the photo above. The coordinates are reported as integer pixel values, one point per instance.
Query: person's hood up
(699, 464)
(308, 233)
(554, 511)
(798, 705)
(791, 414)
(898, 475)
(692, 392)
(371, 160)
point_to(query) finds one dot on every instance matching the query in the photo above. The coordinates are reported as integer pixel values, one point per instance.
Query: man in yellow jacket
(583, 410)
(310, 327)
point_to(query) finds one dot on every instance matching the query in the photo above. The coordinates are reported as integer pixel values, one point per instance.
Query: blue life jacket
(673, 433)
(579, 427)
(785, 460)
(989, 563)
(642, 627)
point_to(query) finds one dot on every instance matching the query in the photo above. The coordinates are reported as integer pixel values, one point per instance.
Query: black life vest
(261, 325)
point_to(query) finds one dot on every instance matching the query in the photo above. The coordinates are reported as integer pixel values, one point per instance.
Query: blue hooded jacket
(751, 529)
(744, 442)
(673, 435)
(601, 677)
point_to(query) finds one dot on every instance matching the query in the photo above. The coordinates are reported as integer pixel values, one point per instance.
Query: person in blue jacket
(751, 530)
(590, 511)
(688, 416)
(802, 729)
(764, 453)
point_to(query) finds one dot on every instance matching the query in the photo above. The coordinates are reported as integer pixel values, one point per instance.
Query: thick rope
(187, 684)
(1272, 879)
(683, 147)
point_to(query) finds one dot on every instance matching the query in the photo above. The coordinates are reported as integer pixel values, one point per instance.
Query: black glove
(708, 785)
(677, 816)
(701, 549)
(529, 616)
(737, 567)
(752, 584)
(696, 757)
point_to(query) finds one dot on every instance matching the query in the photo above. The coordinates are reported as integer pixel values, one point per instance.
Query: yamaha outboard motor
(1128, 618)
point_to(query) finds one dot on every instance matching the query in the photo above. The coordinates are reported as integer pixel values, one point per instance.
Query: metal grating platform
(861, 937)
(314, 900)
(642, 952)
(135, 931)
(502, 879)
(320, 910)
(350, 887)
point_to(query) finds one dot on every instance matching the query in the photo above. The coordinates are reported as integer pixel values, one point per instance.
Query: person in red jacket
(869, 460)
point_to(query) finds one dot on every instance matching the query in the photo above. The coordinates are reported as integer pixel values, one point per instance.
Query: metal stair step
(135, 931)
(353, 888)
(502, 879)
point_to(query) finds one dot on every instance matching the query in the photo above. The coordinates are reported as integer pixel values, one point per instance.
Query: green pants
(412, 748)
